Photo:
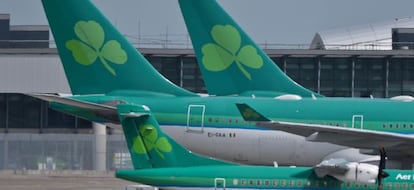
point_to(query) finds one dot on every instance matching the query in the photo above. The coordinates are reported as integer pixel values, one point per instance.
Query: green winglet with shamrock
(227, 50)
(149, 141)
(91, 46)
(250, 114)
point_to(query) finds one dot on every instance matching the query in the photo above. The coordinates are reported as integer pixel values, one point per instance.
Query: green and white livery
(104, 69)
(179, 168)
(231, 62)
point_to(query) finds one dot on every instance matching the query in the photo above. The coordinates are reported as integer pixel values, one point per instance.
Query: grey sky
(271, 21)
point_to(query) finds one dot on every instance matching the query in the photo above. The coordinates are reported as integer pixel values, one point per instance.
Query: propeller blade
(381, 173)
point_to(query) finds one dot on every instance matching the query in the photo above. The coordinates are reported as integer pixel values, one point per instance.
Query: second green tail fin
(96, 57)
(230, 61)
(150, 147)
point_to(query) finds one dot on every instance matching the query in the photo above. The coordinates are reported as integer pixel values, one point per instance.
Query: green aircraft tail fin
(150, 147)
(231, 63)
(96, 57)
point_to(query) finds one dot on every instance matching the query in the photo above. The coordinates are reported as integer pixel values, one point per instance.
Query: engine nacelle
(359, 173)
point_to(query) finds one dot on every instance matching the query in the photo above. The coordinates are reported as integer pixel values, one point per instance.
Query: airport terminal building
(33, 136)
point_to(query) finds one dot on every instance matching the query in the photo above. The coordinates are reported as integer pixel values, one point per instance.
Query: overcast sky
(270, 21)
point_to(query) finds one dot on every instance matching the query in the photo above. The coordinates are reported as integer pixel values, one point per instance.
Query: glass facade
(336, 76)
(302, 70)
(19, 112)
(370, 77)
(401, 76)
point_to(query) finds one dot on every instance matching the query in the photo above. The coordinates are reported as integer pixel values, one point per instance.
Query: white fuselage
(252, 146)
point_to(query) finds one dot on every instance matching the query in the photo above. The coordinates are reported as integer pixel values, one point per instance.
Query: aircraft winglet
(249, 114)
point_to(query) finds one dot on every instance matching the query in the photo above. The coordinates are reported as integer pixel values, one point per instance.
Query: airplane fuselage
(213, 126)
(253, 177)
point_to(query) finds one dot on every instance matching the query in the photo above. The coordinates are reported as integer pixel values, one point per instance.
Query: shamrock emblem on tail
(227, 50)
(91, 46)
(151, 140)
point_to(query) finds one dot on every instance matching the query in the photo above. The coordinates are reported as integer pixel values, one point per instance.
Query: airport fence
(53, 152)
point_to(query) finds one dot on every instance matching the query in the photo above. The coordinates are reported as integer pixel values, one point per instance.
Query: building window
(370, 77)
(303, 71)
(336, 74)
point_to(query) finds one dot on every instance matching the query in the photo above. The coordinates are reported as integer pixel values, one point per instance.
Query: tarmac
(69, 180)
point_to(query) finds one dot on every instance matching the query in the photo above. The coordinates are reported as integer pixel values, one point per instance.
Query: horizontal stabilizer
(134, 115)
(106, 112)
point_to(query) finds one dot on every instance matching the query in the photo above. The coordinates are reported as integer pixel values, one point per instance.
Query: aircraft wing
(352, 137)
(106, 112)
(359, 138)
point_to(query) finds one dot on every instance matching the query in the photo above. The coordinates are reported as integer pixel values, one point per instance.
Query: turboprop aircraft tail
(150, 147)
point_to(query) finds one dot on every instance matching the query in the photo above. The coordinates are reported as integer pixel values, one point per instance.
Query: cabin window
(357, 185)
(243, 182)
(308, 183)
(411, 126)
(397, 185)
(390, 125)
(236, 121)
(210, 119)
(235, 182)
(404, 185)
(299, 183)
(344, 125)
(389, 185)
(283, 183)
(266, 182)
(396, 125)
(230, 120)
(348, 184)
(412, 186)
(404, 126)
(274, 182)
(291, 183)
(216, 120)
(259, 182)
(251, 182)
(325, 184)
(365, 186)
(383, 125)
